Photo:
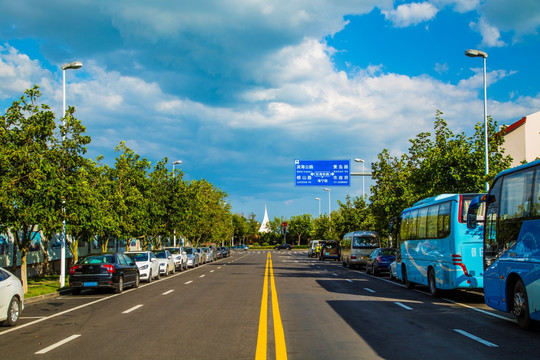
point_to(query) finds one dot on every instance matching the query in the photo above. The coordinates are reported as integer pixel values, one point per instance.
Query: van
(330, 250)
(314, 248)
(356, 247)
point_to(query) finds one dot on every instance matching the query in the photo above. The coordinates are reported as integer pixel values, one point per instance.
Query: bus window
(443, 221)
(422, 222)
(491, 251)
(535, 211)
(433, 213)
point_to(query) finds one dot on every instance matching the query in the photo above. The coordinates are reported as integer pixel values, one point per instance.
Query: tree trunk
(24, 275)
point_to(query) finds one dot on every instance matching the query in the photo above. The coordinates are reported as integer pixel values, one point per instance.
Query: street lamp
(363, 170)
(319, 199)
(329, 210)
(70, 66)
(177, 162)
(483, 55)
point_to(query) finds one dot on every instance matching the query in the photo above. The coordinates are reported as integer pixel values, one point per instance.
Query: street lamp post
(70, 66)
(177, 162)
(363, 170)
(319, 199)
(329, 209)
(483, 55)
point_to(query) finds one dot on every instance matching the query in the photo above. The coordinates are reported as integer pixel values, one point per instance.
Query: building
(522, 139)
(265, 227)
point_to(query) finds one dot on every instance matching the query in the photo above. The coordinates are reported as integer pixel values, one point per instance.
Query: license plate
(94, 283)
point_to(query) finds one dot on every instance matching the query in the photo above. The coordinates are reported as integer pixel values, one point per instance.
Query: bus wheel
(432, 284)
(408, 284)
(521, 306)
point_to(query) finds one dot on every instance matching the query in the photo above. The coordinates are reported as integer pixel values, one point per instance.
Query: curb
(39, 298)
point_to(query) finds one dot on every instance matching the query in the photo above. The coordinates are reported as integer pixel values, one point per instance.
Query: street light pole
(329, 209)
(70, 66)
(363, 170)
(319, 205)
(177, 162)
(483, 55)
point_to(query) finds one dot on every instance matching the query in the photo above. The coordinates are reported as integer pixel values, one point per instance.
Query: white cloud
(491, 36)
(411, 14)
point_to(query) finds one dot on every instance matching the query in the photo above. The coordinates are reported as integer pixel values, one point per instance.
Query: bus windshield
(360, 242)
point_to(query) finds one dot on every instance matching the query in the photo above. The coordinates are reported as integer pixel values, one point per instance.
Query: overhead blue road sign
(322, 172)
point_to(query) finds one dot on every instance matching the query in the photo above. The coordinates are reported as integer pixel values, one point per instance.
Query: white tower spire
(264, 226)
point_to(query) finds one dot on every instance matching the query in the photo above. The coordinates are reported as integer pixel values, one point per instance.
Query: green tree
(299, 227)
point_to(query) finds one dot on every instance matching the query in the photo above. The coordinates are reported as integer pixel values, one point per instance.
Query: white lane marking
(334, 274)
(369, 290)
(168, 292)
(212, 270)
(60, 343)
(349, 280)
(202, 276)
(219, 267)
(480, 310)
(325, 269)
(403, 306)
(189, 282)
(476, 338)
(132, 309)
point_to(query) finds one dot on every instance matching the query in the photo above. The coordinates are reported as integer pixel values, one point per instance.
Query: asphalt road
(220, 311)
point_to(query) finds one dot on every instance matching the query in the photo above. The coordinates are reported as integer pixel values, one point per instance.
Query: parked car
(111, 270)
(202, 256)
(240, 247)
(147, 263)
(330, 250)
(283, 247)
(166, 262)
(192, 257)
(393, 270)
(208, 256)
(11, 298)
(225, 251)
(179, 257)
(380, 260)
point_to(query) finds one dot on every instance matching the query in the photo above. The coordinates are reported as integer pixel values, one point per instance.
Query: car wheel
(367, 269)
(149, 277)
(76, 291)
(158, 276)
(13, 313)
(432, 283)
(120, 287)
(137, 281)
(392, 277)
(173, 270)
(521, 306)
(374, 270)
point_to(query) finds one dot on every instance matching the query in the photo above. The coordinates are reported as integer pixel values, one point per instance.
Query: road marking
(60, 343)
(279, 334)
(132, 309)
(369, 290)
(475, 338)
(167, 292)
(349, 280)
(219, 267)
(403, 306)
(202, 276)
(480, 310)
(212, 270)
(189, 282)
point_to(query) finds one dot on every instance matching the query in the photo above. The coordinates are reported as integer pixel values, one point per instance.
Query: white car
(179, 256)
(166, 262)
(393, 270)
(147, 263)
(192, 257)
(11, 298)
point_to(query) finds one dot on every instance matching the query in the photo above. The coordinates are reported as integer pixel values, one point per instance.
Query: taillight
(110, 268)
(353, 256)
(74, 268)
(379, 259)
(456, 260)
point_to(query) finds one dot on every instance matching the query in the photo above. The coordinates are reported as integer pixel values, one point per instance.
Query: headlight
(144, 267)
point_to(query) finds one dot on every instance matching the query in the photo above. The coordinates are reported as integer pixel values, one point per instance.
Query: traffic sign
(322, 172)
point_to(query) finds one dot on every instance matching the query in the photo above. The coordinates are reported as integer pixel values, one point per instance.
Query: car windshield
(161, 255)
(138, 256)
(189, 250)
(98, 259)
(174, 251)
(388, 252)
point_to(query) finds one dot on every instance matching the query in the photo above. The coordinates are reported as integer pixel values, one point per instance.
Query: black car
(283, 246)
(113, 271)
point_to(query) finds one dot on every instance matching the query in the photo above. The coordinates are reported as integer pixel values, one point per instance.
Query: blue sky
(239, 89)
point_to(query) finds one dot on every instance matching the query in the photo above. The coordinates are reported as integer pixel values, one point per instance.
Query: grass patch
(42, 285)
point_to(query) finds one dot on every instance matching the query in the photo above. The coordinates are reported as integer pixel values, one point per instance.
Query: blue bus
(435, 246)
(511, 218)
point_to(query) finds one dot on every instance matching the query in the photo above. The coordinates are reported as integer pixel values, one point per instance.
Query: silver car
(192, 257)
(179, 256)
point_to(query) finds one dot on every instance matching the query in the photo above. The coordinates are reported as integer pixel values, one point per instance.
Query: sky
(240, 89)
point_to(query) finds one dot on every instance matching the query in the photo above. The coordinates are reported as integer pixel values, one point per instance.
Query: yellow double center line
(279, 335)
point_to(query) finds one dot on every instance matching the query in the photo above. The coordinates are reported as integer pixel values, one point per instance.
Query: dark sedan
(113, 271)
(380, 260)
(283, 247)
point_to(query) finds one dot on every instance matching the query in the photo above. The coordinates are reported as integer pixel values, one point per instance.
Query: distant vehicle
(111, 270)
(330, 250)
(147, 263)
(240, 247)
(314, 248)
(356, 247)
(435, 247)
(283, 247)
(510, 214)
(179, 257)
(202, 255)
(380, 260)
(393, 270)
(11, 298)
(225, 251)
(192, 257)
(166, 262)
(207, 252)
